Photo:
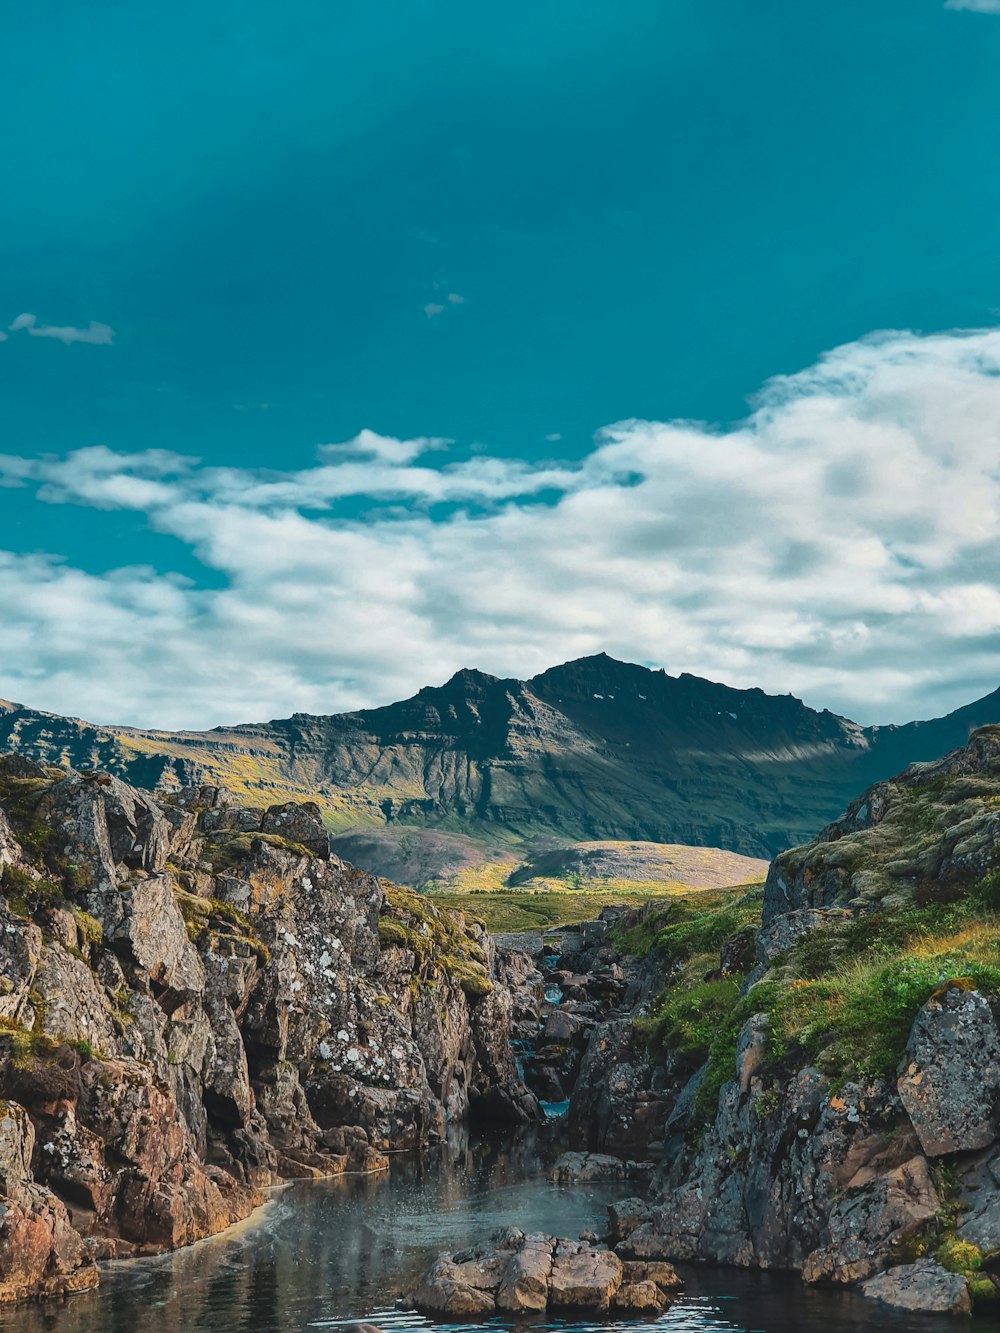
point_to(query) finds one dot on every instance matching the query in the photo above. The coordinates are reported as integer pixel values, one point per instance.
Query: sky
(344, 345)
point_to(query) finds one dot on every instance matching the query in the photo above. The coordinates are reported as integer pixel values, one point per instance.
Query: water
(321, 1255)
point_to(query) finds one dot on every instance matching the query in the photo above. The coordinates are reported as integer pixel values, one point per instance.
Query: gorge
(200, 1002)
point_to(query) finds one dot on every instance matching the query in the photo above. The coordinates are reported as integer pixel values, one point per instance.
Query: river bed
(323, 1254)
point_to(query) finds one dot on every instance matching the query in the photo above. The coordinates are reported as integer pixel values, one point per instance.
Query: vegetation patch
(228, 851)
(440, 940)
(843, 997)
(213, 920)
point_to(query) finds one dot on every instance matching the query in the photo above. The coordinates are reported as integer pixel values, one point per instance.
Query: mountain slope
(589, 751)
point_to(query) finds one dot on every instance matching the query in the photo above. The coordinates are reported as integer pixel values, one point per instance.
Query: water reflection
(323, 1255)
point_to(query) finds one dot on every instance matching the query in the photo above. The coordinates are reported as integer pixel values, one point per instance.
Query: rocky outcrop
(537, 1274)
(853, 1124)
(197, 1001)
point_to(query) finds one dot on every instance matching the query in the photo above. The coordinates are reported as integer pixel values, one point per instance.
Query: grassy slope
(844, 997)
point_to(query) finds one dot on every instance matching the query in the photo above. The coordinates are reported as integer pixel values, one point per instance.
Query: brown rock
(639, 1298)
(583, 1278)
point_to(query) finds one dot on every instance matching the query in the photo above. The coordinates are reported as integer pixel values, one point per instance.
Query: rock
(583, 1278)
(614, 1105)
(148, 928)
(234, 1021)
(524, 1285)
(639, 1298)
(446, 1293)
(300, 822)
(40, 1253)
(660, 1273)
(951, 1079)
(578, 1167)
(923, 1287)
(866, 1221)
(537, 1274)
(509, 1104)
(625, 1216)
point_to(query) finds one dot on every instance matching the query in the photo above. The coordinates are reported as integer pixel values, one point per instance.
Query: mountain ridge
(589, 750)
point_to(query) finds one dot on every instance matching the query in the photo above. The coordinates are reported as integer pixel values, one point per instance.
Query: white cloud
(99, 334)
(977, 6)
(842, 543)
(432, 309)
(455, 299)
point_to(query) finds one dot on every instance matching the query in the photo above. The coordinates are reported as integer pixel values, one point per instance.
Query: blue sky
(508, 227)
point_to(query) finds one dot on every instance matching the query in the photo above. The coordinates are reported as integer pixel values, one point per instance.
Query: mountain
(593, 750)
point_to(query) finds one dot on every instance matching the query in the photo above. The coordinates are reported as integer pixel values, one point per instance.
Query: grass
(844, 997)
(439, 938)
(511, 910)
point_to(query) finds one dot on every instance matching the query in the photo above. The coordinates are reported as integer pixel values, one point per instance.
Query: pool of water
(324, 1254)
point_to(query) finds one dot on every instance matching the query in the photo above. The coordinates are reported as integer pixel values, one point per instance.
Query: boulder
(923, 1287)
(583, 1278)
(625, 1216)
(643, 1298)
(951, 1078)
(301, 822)
(868, 1219)
(524, 1286)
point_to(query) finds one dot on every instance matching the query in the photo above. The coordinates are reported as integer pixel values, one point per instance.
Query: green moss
(90, 928)
(685, 1019)
(214, 920)
(223, 852)
(26, 895)
(983, 1291)
(441, 941)
(20, 798)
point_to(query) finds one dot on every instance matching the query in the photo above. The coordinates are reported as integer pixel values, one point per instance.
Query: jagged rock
(625, 1216)
(20, 952)
(614, 1104)
(872, 1217)
(511, 1104)
(17, 1142)
(40, 1252)
(923, 1287)
(301, 822)
(950, 1082)
(149, 927)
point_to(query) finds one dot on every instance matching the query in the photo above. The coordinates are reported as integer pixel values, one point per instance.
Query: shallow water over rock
(322, 1255)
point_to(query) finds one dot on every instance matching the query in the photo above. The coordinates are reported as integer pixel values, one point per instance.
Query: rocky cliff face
(197, 1001)
(592, 750)
(828, 1085)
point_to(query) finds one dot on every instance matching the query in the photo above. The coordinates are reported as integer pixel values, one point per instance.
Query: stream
(321, 1255)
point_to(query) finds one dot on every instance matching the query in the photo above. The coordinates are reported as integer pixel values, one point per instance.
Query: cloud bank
(977, 6)
(98, 334)
(841, 543)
